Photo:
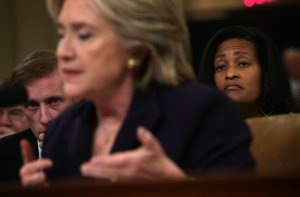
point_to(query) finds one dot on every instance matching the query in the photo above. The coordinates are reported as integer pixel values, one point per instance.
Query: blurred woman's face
(91, 58)
(237, 71)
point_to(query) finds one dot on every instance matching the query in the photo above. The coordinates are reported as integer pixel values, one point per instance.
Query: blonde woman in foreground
(143, 116)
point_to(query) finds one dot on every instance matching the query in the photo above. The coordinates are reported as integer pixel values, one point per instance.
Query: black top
(198, 127)
(10, 154)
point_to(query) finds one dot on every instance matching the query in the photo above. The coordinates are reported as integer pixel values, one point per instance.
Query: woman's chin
(72, 91)
(235, 98)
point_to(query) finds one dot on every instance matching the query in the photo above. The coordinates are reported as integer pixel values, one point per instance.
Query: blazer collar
(143, 111)
(28, 134)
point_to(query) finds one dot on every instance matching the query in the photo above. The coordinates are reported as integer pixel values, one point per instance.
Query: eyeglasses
(13, 113)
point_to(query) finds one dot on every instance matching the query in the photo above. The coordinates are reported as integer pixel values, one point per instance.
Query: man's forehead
(46, 98)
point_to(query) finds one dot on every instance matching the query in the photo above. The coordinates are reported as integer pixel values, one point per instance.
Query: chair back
(276, 143)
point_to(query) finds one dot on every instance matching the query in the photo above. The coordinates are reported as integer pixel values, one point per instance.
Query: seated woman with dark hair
(244, 64)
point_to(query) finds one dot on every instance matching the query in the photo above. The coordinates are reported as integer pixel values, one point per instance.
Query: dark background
(281, 23)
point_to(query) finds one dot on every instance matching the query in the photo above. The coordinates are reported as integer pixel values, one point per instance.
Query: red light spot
(249, 3)
(259, 2)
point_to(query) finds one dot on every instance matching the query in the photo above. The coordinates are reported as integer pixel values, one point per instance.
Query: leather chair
(276, 143)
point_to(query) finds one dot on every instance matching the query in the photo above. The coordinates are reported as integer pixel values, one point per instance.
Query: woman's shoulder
(194, 98)
(77, 108)
(77, 111)
(196, 91)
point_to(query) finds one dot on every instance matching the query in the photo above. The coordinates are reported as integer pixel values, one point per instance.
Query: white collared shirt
(40, 149)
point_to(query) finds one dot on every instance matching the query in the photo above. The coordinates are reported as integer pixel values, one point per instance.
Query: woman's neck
(111, 111)
(115, 104)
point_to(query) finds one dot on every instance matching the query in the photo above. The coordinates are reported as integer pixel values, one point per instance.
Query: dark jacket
(199, 129)
(10, 154)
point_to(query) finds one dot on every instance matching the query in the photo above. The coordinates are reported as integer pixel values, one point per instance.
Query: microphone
(12, 95)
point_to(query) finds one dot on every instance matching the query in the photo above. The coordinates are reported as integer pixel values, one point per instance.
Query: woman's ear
(139, 53)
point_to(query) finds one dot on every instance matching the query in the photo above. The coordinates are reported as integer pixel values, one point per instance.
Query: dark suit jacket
(10, 154)
(199, 129)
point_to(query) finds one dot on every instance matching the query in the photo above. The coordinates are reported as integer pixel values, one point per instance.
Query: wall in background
(25, 26)
(6, 38)
(280, 22)
(210, 9)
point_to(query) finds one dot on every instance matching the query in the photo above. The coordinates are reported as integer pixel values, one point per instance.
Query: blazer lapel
(28, 134)
(143, 111)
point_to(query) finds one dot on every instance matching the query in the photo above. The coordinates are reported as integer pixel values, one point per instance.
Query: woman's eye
(220, 68)
(243, 64)
(60, 34)
(85, 36)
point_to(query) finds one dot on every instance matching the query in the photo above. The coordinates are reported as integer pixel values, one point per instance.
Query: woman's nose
(64, 50)
(232, 73)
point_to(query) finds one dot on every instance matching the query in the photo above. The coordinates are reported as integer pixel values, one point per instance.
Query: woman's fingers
(37, 178)
(26, 151)
(31, 173)
(147, 140)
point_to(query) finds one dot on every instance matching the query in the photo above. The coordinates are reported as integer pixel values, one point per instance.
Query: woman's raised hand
(147, 163)
(31, 173)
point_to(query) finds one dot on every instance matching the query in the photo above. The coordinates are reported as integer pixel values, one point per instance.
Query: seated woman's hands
(31, 173)
(148, 162)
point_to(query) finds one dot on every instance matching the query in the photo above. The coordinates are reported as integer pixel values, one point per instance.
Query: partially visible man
(39, 74)
(12, 118)
(291, 60)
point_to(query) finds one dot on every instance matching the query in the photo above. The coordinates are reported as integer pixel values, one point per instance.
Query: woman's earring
(131, 64)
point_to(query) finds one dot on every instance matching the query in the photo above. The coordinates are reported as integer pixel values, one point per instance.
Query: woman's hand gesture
(147, 163)
(31, 173)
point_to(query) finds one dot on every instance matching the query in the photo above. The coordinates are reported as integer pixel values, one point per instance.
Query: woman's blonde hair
(158, 25)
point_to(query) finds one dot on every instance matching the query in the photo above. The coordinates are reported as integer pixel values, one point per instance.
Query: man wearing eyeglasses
(12, 120)
(12, 116)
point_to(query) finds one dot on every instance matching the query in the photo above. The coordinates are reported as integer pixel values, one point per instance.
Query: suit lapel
(32, 139)
(143, 111)
(85, 128)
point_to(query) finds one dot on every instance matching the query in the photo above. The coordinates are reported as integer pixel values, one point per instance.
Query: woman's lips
(232, 87)
(70, 74)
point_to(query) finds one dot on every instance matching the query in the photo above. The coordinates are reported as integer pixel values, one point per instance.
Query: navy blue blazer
(10, 154)
(198, 127)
